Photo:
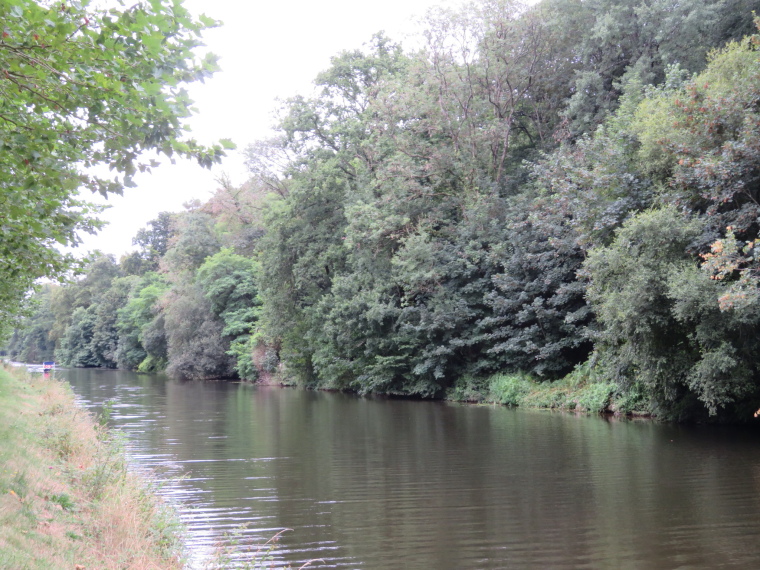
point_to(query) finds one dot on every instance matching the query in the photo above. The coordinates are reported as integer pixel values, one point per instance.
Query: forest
(567, 190)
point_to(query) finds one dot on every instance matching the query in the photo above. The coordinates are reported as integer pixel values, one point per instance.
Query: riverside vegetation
(555, 205)
(67, 499)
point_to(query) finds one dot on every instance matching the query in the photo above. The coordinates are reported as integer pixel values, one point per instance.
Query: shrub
(468, 389)
(509, 389)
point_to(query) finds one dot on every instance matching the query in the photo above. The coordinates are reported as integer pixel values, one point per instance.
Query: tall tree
(153, 240)
(83, 86)
(638, 41)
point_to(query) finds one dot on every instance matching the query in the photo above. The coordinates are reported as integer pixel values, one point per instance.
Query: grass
(67, 499)
(582, 391)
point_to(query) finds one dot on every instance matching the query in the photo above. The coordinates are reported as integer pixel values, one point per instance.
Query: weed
(584, 389)
(65, 502)
(106, 412)
(59, 439)
(234, 553)
(635, 400)
(19, 485)
(54, 410)
(108, 467)
(594, 397)
(508, 389)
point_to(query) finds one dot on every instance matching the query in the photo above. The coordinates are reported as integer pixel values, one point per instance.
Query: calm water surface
(377, 483)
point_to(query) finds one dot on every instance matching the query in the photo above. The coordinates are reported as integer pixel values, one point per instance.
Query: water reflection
(378, 483)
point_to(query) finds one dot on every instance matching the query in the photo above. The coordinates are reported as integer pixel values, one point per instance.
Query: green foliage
(629, 292)
(508, 389)
(378, 280)
(194, 239)
(691, 332)
(412, 248)
(580, 391)
(90, 331)
(467, 389)
(140, 339)
(64, 501)
(303, 250)
(635, 400)
(228, 282)
(593, 397)
(153, 242)
(553, 206)
(106, 331)
(195, 344)
(627, 41)
(241, 349)
(31, 341)
(76, 346)
(84, 86)
(539, 317)
(661, 322)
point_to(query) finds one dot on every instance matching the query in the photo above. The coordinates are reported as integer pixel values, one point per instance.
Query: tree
(76, 348)
(326, 142)
(193, 240)
(100, 273)
(88, 316)
(491, 72)
(142, 342)
(661, 323)
(196, 345)
(413, 243)
(228, 282)
(84, 87)
(624, 41)
(153, 240)
(105, 333)
(540, 316)
(31, 342)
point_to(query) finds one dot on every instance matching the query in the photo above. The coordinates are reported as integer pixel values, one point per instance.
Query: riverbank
(580, 391)
(583, 390)
(66, 497)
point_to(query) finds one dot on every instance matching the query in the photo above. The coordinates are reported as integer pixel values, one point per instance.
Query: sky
(268, 51)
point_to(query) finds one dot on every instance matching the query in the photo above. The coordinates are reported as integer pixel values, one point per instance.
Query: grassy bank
(580, 391)
(66, 497)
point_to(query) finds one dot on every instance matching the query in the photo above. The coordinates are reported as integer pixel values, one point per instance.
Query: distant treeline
(570, 186)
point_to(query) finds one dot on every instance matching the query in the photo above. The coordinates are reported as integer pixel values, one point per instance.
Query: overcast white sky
(268, 50)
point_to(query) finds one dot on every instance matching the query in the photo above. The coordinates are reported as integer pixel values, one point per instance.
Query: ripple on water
(403, 484)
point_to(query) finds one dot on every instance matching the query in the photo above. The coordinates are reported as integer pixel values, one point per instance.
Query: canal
(384, 483)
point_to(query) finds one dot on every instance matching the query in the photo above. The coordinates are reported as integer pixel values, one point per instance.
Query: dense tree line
(183, 302)
(570, 188)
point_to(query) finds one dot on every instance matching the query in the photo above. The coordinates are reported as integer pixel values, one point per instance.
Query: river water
(384, 483)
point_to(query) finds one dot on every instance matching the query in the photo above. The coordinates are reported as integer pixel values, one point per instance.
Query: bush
(584, 389)
(509, 389)
(595, 397)
(634, 400)
(468, 389)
